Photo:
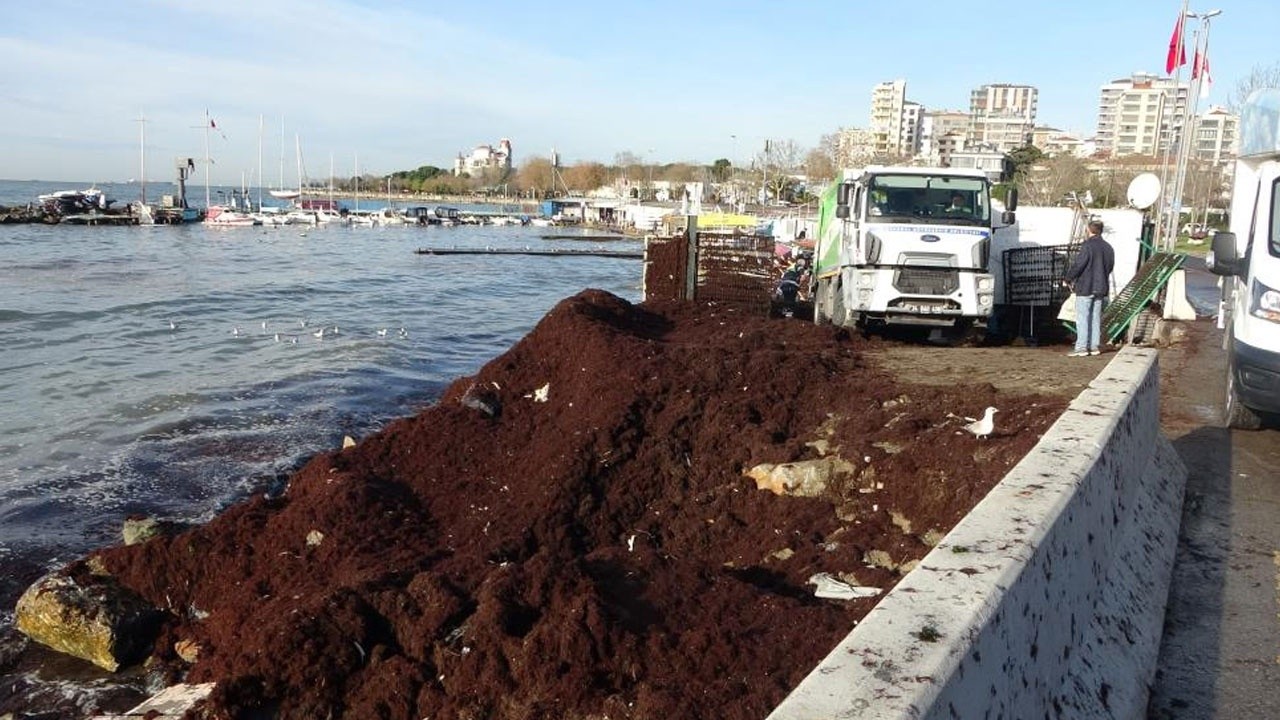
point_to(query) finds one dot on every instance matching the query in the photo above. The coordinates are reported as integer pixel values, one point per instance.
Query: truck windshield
(941, 198)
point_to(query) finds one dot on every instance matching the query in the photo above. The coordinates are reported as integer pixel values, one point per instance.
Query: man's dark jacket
(1092, 268)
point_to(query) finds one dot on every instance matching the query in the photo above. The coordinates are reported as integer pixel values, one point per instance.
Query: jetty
(573, 252)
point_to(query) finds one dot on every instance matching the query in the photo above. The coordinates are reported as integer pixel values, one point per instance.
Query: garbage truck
(1248, 259)
(906, 246)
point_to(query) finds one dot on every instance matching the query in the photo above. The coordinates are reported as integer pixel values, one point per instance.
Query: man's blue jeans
(1089, 322)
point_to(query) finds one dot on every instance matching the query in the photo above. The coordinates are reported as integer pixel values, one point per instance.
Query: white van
(1248, 258)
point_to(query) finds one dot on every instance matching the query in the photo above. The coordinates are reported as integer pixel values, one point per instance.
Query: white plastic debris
(540, 395)
(830, 587)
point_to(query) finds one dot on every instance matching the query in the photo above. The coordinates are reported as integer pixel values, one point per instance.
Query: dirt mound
(569, 533)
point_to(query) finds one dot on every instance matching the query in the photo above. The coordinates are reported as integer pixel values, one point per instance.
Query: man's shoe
(1095, 352)
(1078, 353)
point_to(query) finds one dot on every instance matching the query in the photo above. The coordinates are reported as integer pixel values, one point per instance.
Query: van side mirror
(1222, 258)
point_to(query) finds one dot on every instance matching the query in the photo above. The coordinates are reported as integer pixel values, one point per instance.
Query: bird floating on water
(173, 325)
(319, 334)
(983, 426)
(382, 332)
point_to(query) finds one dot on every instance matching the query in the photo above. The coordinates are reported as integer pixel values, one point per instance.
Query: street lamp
(649, 163)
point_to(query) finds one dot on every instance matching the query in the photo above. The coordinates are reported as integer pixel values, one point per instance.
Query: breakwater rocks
(572, 531)
(26, 214)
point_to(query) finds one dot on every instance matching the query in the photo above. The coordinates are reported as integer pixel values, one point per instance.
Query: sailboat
(282, 193)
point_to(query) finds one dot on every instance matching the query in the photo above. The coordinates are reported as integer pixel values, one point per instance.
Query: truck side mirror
(1008, 217)
(843, 191)
(1011, 203)
(1222, 258)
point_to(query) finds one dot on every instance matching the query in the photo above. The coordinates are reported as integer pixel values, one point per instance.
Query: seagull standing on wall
(983, 426)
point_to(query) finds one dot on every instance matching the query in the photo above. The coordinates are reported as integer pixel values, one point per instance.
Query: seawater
(173, 371)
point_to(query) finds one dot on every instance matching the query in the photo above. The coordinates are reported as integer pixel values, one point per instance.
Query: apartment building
(1003, 115)
(1215, 136)
(1141, 114)
(891, 131)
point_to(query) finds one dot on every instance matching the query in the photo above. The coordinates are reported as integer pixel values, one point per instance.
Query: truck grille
(927, 281)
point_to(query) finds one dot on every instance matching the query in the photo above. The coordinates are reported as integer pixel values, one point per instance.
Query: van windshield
(1273, 237)
(941, 199)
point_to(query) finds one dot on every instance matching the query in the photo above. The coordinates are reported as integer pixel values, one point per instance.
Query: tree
(721, 169)
(1259, 77)
(1023, 159)
(584, 177)
(535, 177)
(1046, 182)
(820, 165)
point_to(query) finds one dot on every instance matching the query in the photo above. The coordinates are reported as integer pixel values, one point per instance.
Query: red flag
(1201, 67)
(1177, 50)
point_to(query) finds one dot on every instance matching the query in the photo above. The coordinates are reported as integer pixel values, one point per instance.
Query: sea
(172, 371)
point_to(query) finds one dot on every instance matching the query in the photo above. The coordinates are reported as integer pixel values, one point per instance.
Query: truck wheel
(822, 303)
(1234, 413)
(839, 313)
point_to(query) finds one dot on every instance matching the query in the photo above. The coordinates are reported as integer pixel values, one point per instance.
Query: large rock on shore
(88, 616)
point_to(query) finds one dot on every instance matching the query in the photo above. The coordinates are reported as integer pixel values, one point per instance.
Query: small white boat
(285, 194)
(219, 216)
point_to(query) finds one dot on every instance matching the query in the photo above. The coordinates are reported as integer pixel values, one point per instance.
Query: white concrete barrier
(1047, 600)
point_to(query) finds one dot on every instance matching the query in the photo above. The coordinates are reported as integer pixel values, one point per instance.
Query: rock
(348, 442)
(91, 618)
(314, 538)
(808, 478)
(483, 400)
(140, 529)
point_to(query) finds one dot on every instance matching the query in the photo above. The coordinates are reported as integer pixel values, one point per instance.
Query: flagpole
(1176, 58)
(1201, 44)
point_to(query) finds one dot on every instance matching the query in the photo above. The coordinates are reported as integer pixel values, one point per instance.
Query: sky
(396, 85)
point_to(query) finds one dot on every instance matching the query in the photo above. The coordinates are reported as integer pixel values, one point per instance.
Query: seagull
(404, 333)
(983, 426)
(382, 332)
(319, 334)
(264, 326)
(277, 337)
(173, 325)
(236, 331)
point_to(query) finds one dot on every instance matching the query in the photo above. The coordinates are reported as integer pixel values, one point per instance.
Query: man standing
(1090, 276)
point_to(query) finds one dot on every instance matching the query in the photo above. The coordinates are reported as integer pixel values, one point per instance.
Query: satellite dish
(1143, 191)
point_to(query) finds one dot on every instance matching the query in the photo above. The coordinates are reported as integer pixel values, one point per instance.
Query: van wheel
(1234, 413)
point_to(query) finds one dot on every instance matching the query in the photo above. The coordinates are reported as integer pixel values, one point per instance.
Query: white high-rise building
(1141, 114)
(888, 101)
(1215, 138)
(1003, 116)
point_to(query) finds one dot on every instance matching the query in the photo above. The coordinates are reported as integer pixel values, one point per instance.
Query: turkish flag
(1177, 50)
(1200, 69)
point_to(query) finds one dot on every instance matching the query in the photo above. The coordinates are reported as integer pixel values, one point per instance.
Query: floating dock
(637, 255)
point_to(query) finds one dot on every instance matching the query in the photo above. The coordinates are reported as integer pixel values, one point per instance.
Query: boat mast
(207, 122)
(142, 157)
(280, 184)
(357, 156)
(260, 121)
(297, 148)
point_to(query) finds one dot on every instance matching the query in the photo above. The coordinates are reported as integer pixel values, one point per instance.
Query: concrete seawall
(1047, 600)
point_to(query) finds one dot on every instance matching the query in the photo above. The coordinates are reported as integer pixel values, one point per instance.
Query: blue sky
(403, 84)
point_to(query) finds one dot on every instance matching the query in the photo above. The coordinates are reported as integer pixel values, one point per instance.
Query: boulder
(87, 616)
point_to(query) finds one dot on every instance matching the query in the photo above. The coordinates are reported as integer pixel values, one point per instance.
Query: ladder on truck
(1145, 285)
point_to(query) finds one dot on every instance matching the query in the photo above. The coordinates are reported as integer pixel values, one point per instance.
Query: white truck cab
(1248, 258)
(905, 245)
